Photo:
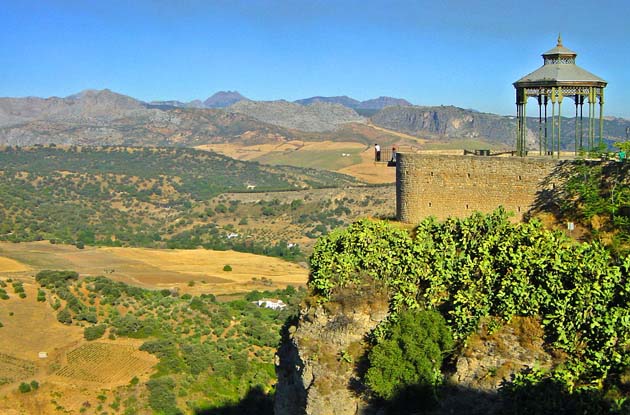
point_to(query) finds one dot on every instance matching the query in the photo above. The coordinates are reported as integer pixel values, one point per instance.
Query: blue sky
(463, 53)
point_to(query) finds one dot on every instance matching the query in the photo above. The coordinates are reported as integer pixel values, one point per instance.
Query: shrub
(411, 356)
(94, 332)
(227, 268)
(24, 387)
(162, 396)
(64, 316)
(56, 278)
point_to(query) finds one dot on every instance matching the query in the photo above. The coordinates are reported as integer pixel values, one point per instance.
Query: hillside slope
(316, 117)
(449, 122)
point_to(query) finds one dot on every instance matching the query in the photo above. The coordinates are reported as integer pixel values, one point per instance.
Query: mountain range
(223, 99)
(103, 117)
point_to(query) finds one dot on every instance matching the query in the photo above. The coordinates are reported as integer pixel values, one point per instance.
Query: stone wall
(446, 185)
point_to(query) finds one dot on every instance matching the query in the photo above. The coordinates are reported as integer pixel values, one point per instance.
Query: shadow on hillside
(552, 195)
(255, 402)
(544, 398)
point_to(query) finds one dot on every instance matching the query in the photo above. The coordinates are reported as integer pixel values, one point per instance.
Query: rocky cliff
(316, 117)
(448, 122)
(318, 364)
(323, 356)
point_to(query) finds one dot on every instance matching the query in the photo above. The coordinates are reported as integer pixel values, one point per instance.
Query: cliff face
(316, 117)
(319, 360)
(446, 122)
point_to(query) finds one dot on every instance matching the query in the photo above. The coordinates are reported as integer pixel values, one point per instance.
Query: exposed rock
(314, 378)
(223, 99)
(372, 104)
(316, 366)
(344, 100)
(319, 116)
(448, 122)
(176, 104)
(490, 359)
(383, 102)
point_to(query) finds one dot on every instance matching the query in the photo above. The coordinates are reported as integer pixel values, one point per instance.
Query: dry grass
(33, 328)
(370, 171)
(11, 265)
(256, 151)
(398, 134)
(366, 170)
(106, 363)
(162, 268)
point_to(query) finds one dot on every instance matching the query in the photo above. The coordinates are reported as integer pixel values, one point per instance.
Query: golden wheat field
(11, 265)
(159, 268)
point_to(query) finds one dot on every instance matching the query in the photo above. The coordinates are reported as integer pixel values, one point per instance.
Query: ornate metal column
(601, 115)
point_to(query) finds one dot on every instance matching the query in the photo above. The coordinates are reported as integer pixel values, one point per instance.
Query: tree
(64, 316)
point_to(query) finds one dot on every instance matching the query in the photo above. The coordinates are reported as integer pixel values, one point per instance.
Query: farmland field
(351, 158)
(11, 265)
(109, 363)
(161, 268)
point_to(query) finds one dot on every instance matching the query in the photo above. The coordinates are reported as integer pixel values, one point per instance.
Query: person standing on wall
(377, 152)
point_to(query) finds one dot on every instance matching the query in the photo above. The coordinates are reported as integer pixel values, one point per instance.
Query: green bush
(162, 397)
(94, 332)
(410, 356)
(56, 278)
(483, 265)
(227, 268)
(64, 316)
(24, 387)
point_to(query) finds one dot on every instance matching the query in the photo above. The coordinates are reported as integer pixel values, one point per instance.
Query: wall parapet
(448, 185)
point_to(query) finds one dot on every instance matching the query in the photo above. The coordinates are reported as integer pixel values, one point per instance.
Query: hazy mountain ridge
(107, 118)
(446, 122)
(449, 122)
(373, 104)
(223, 99)
(104, 117)
(316, 117)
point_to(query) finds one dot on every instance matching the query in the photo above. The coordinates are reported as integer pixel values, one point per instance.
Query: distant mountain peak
(223, 99)
(371, 104)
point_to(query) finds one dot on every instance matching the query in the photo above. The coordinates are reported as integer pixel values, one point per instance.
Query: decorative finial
(559, 39)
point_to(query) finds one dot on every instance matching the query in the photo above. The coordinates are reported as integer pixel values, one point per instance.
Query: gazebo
(559, 77)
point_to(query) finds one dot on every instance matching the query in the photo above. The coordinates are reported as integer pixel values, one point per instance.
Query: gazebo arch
(559, 78)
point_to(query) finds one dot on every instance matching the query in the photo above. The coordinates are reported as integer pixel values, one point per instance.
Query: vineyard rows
(104, 362)
(13, 369)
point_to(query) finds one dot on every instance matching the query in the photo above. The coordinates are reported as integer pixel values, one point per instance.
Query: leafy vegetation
(597, 195)
(485, 266)
(411, 356)
(121, 196)
(211, 353)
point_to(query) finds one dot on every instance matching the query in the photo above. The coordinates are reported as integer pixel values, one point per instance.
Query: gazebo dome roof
(559, 50)
(559, 69)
